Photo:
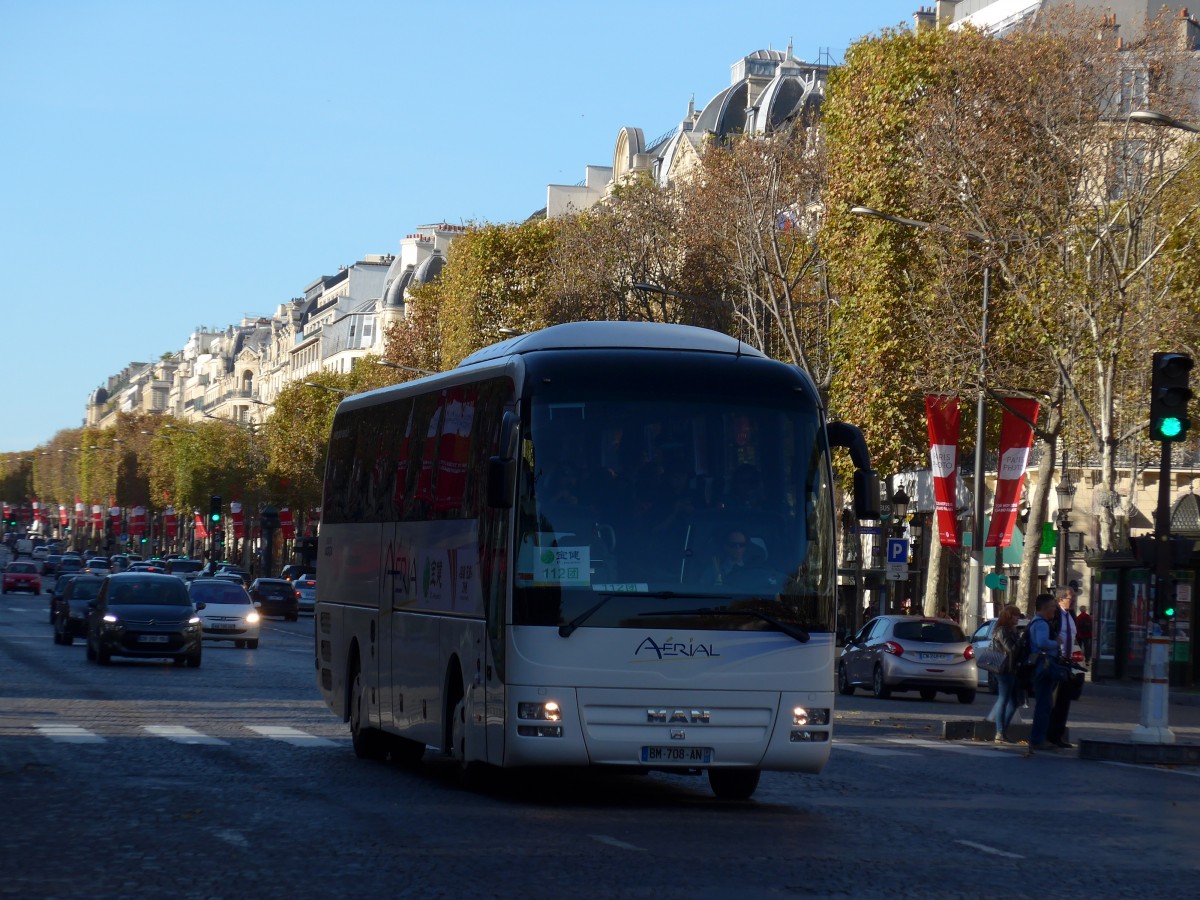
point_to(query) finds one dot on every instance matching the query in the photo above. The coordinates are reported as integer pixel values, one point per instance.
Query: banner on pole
(201, 531)
(1016, 439)
(170, 523)
(943, 416)
(239, 521)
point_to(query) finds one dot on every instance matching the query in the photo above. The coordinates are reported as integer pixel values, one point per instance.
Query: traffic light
(1169, 396)
(214, 509)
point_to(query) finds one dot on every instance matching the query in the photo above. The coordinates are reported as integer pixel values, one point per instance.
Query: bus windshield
(633, 507)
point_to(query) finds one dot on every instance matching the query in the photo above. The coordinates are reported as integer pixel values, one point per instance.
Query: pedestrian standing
(1084, 623)
(1004, 639)
(1066, 633)
(1042, 643)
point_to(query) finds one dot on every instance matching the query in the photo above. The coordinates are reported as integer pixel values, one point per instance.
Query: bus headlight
(547, 711)
(802, 715)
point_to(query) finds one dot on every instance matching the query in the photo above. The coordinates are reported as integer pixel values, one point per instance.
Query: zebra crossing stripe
(181, 734)
(866, 750)
(291, 736)
(67, 734)
(944, 745)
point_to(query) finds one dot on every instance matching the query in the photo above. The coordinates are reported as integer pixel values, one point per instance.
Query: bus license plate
(681, 756)
(153, 638)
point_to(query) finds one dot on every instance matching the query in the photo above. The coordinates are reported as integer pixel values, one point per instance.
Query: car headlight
(194, 620)
(110, 618)
(252, 618)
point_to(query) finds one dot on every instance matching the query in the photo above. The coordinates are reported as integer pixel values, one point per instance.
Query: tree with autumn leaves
(1021, 152)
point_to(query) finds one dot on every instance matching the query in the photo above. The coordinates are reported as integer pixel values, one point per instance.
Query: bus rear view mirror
(501, 482)
(866, 493)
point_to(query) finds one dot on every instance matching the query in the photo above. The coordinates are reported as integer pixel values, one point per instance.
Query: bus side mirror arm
(866, 479)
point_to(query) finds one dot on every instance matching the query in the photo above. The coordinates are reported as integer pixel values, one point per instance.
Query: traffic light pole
(1153, 727)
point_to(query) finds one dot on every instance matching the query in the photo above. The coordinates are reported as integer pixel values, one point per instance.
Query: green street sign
(996, 581)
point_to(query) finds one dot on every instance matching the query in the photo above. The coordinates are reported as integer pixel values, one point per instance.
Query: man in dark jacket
(1066, 632)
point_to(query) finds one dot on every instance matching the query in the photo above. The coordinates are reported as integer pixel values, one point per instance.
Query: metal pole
(1060, 566)
(1154, 726)
(975, 609)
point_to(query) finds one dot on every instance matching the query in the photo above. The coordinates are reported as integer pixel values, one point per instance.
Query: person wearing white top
(1066, 633)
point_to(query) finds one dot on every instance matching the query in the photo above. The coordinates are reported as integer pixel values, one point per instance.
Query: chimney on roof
(1189, 31)
(924, 19)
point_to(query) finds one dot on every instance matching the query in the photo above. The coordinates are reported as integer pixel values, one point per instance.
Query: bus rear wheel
(368, 742)
(733, 784)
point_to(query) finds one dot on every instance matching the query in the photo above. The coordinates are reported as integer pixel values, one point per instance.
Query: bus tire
(368, 742)
(733, 784)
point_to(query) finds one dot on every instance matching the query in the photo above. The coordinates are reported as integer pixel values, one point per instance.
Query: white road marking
(992, 850)
(291, 736)
(868, 750)
(181, 734)
(67, 734)
(943, 745)
(1158, 768)
(613, 842)
(232, 837)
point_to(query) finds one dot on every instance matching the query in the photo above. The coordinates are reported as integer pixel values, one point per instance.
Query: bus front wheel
(368, 742)
(733, 784)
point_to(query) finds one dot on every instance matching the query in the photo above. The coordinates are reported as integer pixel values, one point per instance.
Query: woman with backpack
(1008, 694)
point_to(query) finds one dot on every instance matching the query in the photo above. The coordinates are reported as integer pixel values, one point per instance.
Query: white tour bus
(604, 543)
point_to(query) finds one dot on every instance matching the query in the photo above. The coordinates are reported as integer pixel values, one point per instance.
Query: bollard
(1153, 728)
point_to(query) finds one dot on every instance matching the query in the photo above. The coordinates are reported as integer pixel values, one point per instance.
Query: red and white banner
(943, 416)
(97, 517)
(114, 515)
(80, 514)
(1016, 439)
(286, 525)
(64, 516)
(137, 520)
(170, 523)
(37, 511)
(201, 531)
(239, 521)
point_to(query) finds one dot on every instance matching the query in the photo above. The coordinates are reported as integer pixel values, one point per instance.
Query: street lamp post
(899, 512)
(973, 615)
(325, 387)
(1066, 502)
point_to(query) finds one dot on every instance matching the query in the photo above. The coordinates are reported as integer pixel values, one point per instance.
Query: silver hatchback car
(909, 653)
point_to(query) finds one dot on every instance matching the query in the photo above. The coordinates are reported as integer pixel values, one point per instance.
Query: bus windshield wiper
(569, 629)
(791, 631)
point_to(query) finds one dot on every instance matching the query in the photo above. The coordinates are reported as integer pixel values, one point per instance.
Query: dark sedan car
(69, 608)
(146, 615)
(56, 592)
(275, 597)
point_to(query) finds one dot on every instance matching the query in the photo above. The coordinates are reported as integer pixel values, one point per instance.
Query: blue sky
(168, 165)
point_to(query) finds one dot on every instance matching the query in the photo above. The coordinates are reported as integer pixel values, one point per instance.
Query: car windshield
(85, 589)
(147, 593)
(274, 587)
(219, 592)
(22, 567)
(184, 565)
(929, 632)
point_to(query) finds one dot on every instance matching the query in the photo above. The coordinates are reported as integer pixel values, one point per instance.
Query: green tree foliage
(885, 359)
(495, 279)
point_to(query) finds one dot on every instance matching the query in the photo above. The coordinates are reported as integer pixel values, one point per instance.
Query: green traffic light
(1169, 612)
(1170, 427)
(216, 517)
